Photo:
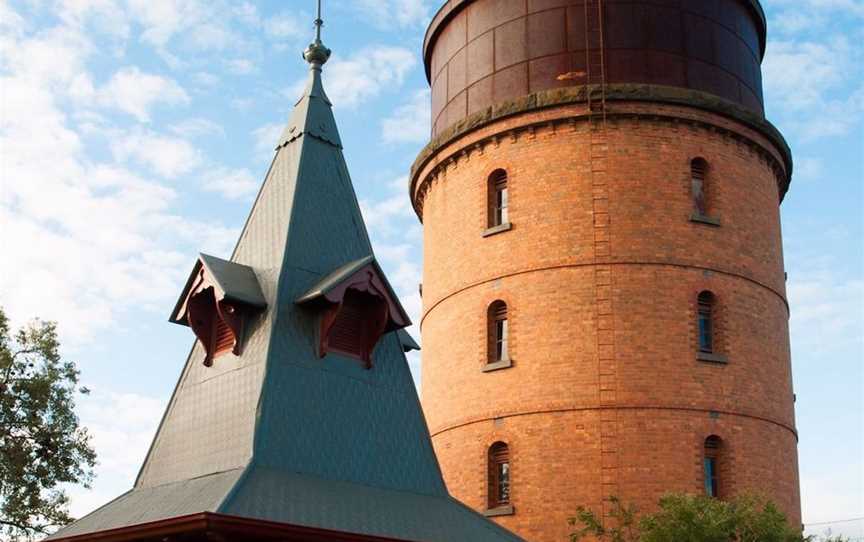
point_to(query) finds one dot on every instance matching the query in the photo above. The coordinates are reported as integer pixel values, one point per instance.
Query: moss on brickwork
(618, 92)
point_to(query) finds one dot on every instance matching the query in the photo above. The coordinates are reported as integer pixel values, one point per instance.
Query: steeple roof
(278, 433)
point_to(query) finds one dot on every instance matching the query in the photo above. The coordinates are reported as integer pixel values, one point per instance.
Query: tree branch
(41, 529)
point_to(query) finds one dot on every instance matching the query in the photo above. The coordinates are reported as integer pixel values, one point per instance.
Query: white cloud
(197, 127)
(106, 16)
(383, 13)
(798, 74)
(54, 57)
(135, 92)
(10, 20)
(849, 8)
(242, 104)
(809, 168)
(825, 308)
(202, 26)
(205, 79)
(409, 123)
(231, 183)
(286, 25)
(91, 239)
(835, 117)
(247, 13)
(808, 82)
(393, 253)
(241, 66)
(166, 155)
(266, 138)
(382, 216)
(122, 426)
(364, 75)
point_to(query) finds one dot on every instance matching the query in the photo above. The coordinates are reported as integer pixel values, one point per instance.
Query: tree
(743, 519)
(42, 445)
(624, 529)
(692, 518)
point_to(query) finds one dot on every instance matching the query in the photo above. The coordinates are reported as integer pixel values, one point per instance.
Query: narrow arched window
(705, 321)
(498, 198)
(499, 330)
(711, 463)
(499, 475)
(699, 186)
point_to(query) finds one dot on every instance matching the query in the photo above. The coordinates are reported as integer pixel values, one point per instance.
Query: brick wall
(600, 272)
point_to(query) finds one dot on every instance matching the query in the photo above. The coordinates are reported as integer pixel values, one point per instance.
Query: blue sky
(134, 133)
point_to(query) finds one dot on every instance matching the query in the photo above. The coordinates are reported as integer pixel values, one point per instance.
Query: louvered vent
(346, 335)
(223, 339)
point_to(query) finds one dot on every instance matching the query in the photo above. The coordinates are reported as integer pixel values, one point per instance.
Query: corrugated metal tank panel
(482, 52)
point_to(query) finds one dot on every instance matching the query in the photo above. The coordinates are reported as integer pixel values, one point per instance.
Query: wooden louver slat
(347, 331)
(223, 340)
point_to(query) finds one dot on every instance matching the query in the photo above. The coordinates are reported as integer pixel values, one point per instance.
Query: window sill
(498, 365)
(712, 358)
(507, 510)
(702, 219)
(507, 226)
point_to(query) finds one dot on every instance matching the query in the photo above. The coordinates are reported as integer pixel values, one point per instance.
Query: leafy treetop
(693, 518)
(42, 445)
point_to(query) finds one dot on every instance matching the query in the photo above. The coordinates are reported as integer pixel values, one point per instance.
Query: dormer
(217, 302)
(355, 306)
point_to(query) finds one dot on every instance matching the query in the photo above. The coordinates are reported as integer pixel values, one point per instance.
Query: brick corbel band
(479, 419)
(618, 92)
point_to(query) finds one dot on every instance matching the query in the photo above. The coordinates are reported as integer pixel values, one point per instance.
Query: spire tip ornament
(317, 54)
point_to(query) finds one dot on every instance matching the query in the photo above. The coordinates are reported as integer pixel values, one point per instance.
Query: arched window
(499, 475)
(711, 462)
(705, 320)
(498, 198)
(498, 333)
(698, 186)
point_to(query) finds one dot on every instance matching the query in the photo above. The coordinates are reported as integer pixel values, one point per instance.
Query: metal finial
(317, 54)
(319, 22)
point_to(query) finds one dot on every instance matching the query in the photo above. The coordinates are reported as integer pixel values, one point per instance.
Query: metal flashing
(407, 341)
(334, 279)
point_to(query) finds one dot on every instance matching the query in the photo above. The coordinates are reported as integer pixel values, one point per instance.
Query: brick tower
(604, 308)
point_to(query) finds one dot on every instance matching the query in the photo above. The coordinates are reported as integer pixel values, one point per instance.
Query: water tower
(604, 307)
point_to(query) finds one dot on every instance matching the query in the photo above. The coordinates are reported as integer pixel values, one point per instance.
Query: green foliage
(692, 518)
(42, 445)
(744, 519)
(624, 527)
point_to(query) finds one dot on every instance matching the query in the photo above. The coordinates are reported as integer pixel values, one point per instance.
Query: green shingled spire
(277, 433)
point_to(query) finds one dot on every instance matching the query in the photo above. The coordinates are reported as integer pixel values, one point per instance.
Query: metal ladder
(595, 65)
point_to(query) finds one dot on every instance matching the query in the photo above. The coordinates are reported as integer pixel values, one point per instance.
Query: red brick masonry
(600, 273)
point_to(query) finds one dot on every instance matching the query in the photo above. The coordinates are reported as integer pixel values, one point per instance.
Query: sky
(135, 133)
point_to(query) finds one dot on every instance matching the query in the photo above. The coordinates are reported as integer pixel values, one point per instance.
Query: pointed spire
(312, 115)
(317, 54)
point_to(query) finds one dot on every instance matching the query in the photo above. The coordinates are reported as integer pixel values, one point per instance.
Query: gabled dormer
(217, 302)
(355, 306)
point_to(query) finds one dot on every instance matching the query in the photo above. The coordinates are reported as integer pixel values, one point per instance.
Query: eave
(209, 526)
